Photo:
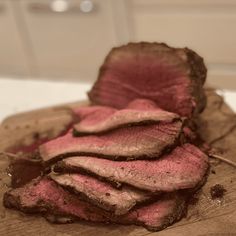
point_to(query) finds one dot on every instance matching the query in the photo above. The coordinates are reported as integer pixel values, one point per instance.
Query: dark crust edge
(153, 156)
(198, 72)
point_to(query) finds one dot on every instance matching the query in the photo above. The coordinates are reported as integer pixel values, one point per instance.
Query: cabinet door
(207, 26)
(67, 42)
(13, 60)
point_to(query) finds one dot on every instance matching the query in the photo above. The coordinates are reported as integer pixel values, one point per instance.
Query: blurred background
(51, 50)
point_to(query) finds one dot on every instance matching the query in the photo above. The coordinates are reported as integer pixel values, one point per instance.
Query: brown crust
(198, 72)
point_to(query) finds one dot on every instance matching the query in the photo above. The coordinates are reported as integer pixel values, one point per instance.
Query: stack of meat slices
(143, 187)
(129, 166)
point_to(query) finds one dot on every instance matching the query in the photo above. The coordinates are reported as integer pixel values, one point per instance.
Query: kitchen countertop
(18, 95)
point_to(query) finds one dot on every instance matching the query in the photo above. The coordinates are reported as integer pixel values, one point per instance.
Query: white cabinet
(66, 42)
(207, 26)
(13, 59)
(62, 39)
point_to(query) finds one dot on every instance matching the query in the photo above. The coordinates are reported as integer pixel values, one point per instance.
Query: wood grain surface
(205, 217)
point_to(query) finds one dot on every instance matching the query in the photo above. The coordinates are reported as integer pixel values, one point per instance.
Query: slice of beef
(172, 77)
(185, 167)
(172, 206)
(83, 112)
(46, 197)
(125, 143)
(101, 193)
(99, 122)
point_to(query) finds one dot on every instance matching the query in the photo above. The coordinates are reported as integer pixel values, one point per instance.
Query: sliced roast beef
(83, 112)
(102, 194)
(185, 167)
(125, 143)
(172, 77)
(46, 197)
(98, 122)
(158, 215)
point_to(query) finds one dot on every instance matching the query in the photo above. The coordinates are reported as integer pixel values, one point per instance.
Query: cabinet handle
(62, 6)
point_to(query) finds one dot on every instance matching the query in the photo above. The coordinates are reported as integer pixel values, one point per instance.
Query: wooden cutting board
(204, 217)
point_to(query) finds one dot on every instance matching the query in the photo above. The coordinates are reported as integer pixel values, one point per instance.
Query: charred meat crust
(198, 72)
